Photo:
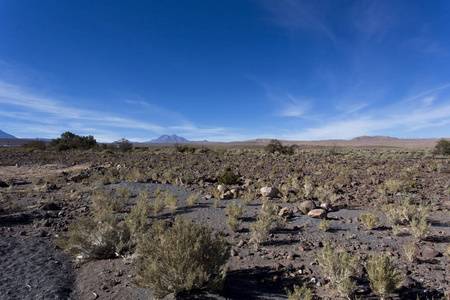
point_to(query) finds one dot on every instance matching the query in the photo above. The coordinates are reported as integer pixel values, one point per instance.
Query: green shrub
(35, 145)
(124, 145)
(370, 220)
(275, 146)
(229, 177)
(181, 258)
(442, 147)
(299, 293)
(338, 266)
(68, 141)
(182, 148)
(383, 275)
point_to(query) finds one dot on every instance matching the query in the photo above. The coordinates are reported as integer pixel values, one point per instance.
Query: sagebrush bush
(370, 220)
(325, 225)
(233, 223)
(267, 221)
(338, 266)
(182, 258)
(171, 202)
(234, 210)
(104, 202)
(405, 213)
(192, 199)
(137, 220)
(393, 186)
(420, 228)
(383, 275)
(299, 293)
(95, 239)
(410, 250)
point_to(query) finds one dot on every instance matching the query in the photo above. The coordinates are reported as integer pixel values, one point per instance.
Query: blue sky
(225, 70)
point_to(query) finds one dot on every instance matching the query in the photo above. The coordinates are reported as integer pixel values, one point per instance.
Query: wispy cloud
(299, 15)
(405, 120)
(292, 107)
(373, 18)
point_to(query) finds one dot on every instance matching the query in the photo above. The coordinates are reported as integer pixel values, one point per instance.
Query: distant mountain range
(169, 139)
(6, 135)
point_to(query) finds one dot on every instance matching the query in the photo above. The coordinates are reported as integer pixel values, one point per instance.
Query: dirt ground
(41, 201)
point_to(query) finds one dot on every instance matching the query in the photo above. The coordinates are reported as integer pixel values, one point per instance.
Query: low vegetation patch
(182, 258)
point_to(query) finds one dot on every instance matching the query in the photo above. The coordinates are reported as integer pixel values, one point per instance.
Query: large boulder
(318, 213)
(306, 206)
(271, 192)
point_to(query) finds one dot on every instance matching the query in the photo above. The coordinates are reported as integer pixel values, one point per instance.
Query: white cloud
(406, 120)
(428, 100)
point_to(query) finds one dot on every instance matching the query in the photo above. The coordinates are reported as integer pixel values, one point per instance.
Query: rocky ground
(41, 196)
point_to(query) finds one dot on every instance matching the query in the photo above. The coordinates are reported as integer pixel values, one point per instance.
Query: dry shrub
(393, 186)
(405, 213)
(137, 219)
(299, 293)
(182, 258)
(267, 221)
(247, 198)
(104, 202)
(234, 210)
(338, 266)
(192, 199)
(124, 192)
(420, 228)
(233, 223)
(383, 275)
(410, 251)
(171, 201)
(370, 220)
(325, 225)
(95, 239)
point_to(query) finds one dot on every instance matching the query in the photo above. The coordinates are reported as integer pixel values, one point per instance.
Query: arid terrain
(397, 184)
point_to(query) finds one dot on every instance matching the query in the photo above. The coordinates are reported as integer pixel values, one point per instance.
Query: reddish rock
(429, 252)
(318, 213)
(286, 212)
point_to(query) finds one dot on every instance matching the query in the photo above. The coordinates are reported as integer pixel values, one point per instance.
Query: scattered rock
(429, 252)
(318, 213)
(221, 188)
(286, 212)
(271, 192)
(79, 177)
(277, 266)
(327, 206)
(226, 195)
(306, 206)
